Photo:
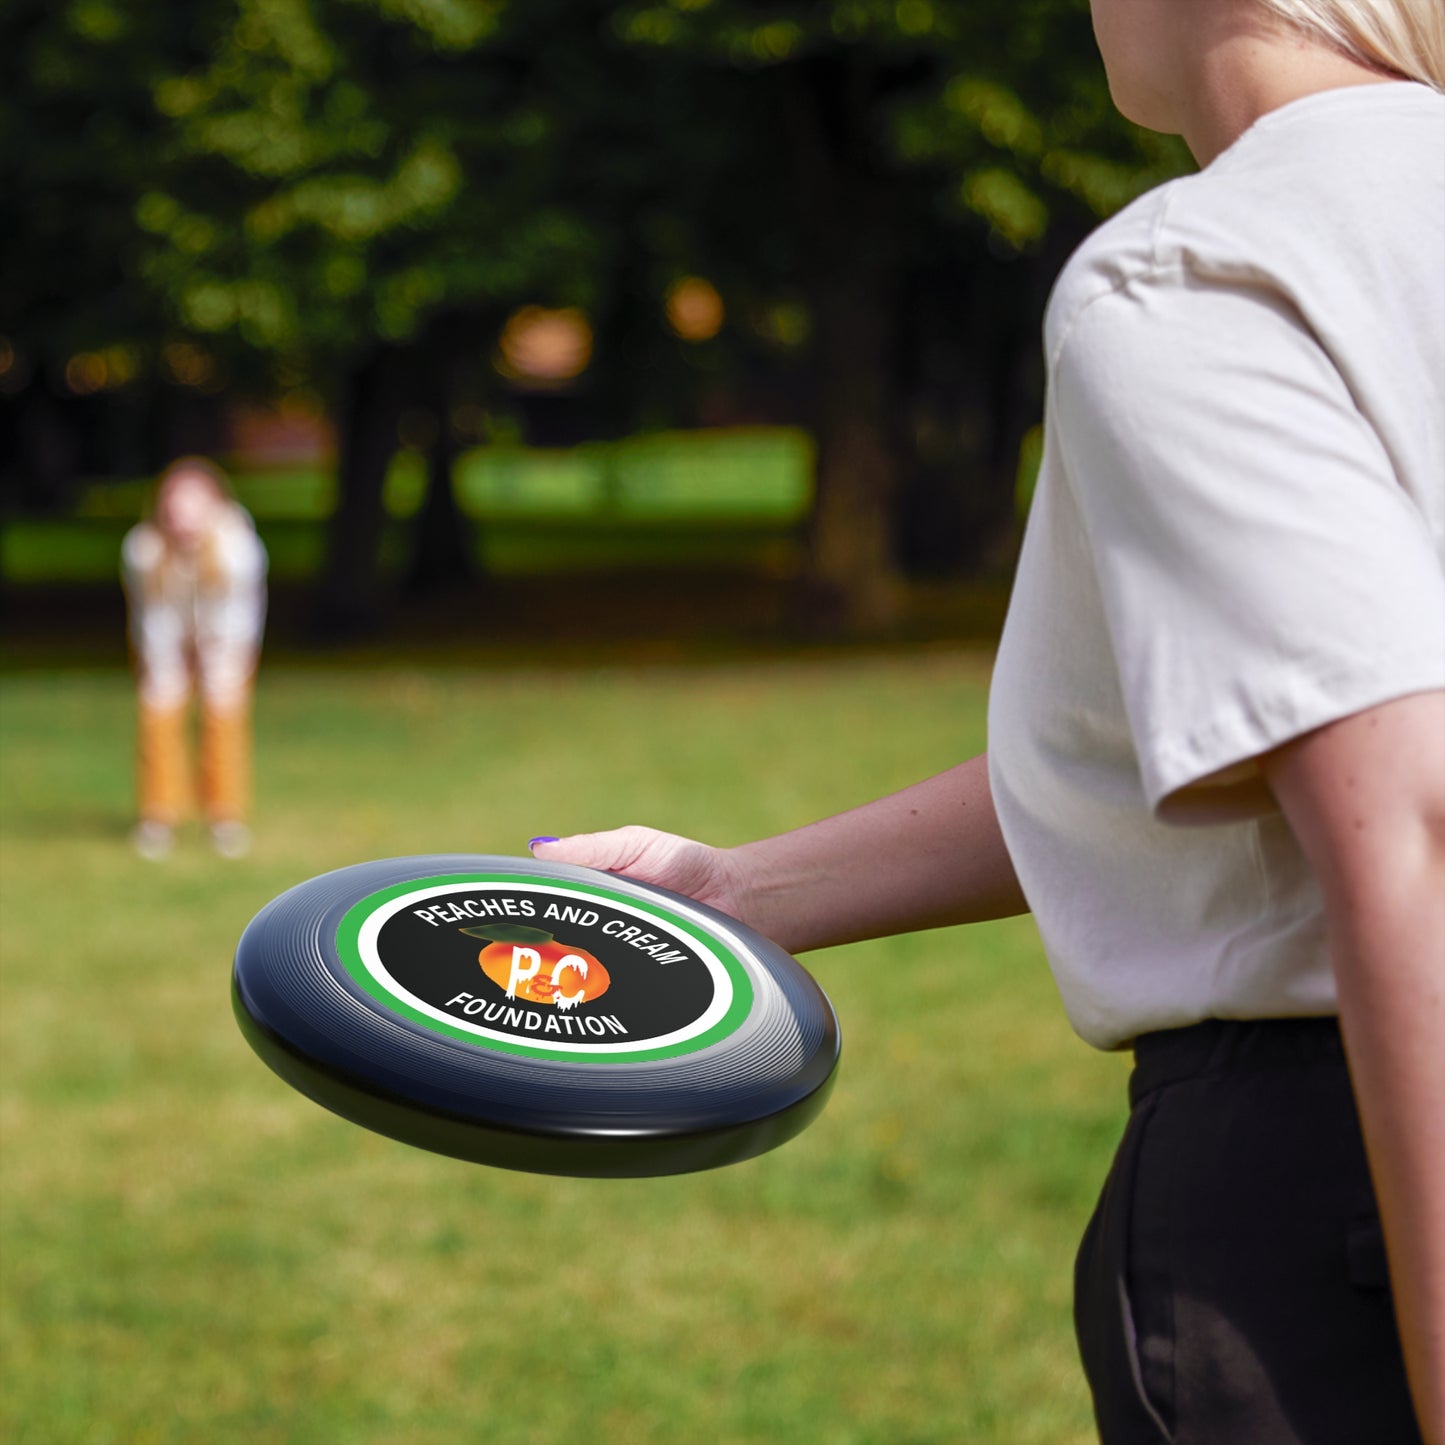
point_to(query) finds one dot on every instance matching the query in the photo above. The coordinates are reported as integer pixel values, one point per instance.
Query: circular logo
(547, 969)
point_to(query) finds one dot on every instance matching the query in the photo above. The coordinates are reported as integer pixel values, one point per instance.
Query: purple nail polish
(532, 843)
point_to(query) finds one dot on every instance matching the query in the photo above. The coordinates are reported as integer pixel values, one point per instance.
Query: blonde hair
(1404, 37)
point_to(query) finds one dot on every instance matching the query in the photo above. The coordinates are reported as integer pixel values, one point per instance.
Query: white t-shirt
(1238, 536)
(196, 619)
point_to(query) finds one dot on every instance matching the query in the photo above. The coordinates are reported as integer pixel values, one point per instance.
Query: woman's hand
(710, 875)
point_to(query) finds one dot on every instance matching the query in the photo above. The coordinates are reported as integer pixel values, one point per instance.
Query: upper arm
(1365, 797)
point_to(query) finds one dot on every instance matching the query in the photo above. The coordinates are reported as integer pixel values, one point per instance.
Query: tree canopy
(352, 196)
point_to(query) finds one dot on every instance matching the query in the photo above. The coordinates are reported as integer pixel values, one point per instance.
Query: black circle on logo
(655, 982)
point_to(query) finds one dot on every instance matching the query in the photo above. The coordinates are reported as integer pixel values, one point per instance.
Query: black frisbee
(535, 1016)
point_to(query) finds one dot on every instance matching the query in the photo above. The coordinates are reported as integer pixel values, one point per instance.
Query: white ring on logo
(722, 984)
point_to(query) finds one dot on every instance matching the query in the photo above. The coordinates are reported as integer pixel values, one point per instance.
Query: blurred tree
(367, 188)
(363, 190)
(79, 139)
(928, 163)
(351, 196)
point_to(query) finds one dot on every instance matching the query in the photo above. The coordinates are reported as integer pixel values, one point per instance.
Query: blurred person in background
(195, 583)
(1216, 766)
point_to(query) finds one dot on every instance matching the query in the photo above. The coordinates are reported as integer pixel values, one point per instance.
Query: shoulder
(143, 549)
(237, 547)
(1113, 257)
(1336, 191)
(1198, 231)
(239, 531)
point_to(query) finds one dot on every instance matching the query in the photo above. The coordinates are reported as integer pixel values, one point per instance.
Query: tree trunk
(349, 599)
(974, 387)
(851, 262)
(47, 450)
(442, 559)
(852, 563)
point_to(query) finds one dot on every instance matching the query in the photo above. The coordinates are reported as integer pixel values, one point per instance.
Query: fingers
(613, 851)
(665, 859)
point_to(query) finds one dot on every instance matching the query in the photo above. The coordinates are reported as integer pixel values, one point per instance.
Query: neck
(1246, 68)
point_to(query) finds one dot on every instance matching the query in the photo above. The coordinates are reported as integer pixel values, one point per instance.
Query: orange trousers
(164, 779)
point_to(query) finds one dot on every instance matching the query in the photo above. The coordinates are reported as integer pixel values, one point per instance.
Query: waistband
(1225, 1046)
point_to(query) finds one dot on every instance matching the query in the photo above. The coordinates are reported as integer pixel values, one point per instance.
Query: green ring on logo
(348, 947)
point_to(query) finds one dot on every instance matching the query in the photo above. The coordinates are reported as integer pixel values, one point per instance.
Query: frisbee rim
(597, 1153)
(439, 1102)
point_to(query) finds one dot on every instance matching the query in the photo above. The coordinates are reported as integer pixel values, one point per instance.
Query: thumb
(612, 852)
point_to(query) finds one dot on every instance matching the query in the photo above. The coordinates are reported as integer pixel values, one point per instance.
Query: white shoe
(152, 840)
(231, 839)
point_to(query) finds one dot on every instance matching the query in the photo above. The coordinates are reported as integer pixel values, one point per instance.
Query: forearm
(1389, 954)
(929, 856)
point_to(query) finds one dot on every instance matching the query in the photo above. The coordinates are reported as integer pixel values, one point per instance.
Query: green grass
(191, 1252)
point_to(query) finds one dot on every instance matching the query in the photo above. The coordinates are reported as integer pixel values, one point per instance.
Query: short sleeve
(140, 555)
(1263, 571)
(240, 552)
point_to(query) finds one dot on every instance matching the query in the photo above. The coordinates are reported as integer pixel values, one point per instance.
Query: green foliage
(190, 1251)
(300, 178)
(79, 140)
(343, 170)
(1001, 106)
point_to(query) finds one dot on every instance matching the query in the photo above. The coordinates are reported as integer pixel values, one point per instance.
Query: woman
(1217, 760)
(195, 583)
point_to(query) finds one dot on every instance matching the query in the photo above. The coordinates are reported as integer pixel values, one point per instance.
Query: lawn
(191, 1252)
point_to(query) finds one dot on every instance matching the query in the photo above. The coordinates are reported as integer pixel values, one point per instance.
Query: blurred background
(639, 404)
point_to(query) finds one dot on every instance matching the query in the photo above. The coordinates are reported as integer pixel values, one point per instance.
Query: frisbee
(535, 1016)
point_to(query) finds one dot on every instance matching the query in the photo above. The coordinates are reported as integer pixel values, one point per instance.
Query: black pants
(1231, 1288)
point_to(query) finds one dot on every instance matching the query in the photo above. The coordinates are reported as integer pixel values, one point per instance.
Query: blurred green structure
(732, 499)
